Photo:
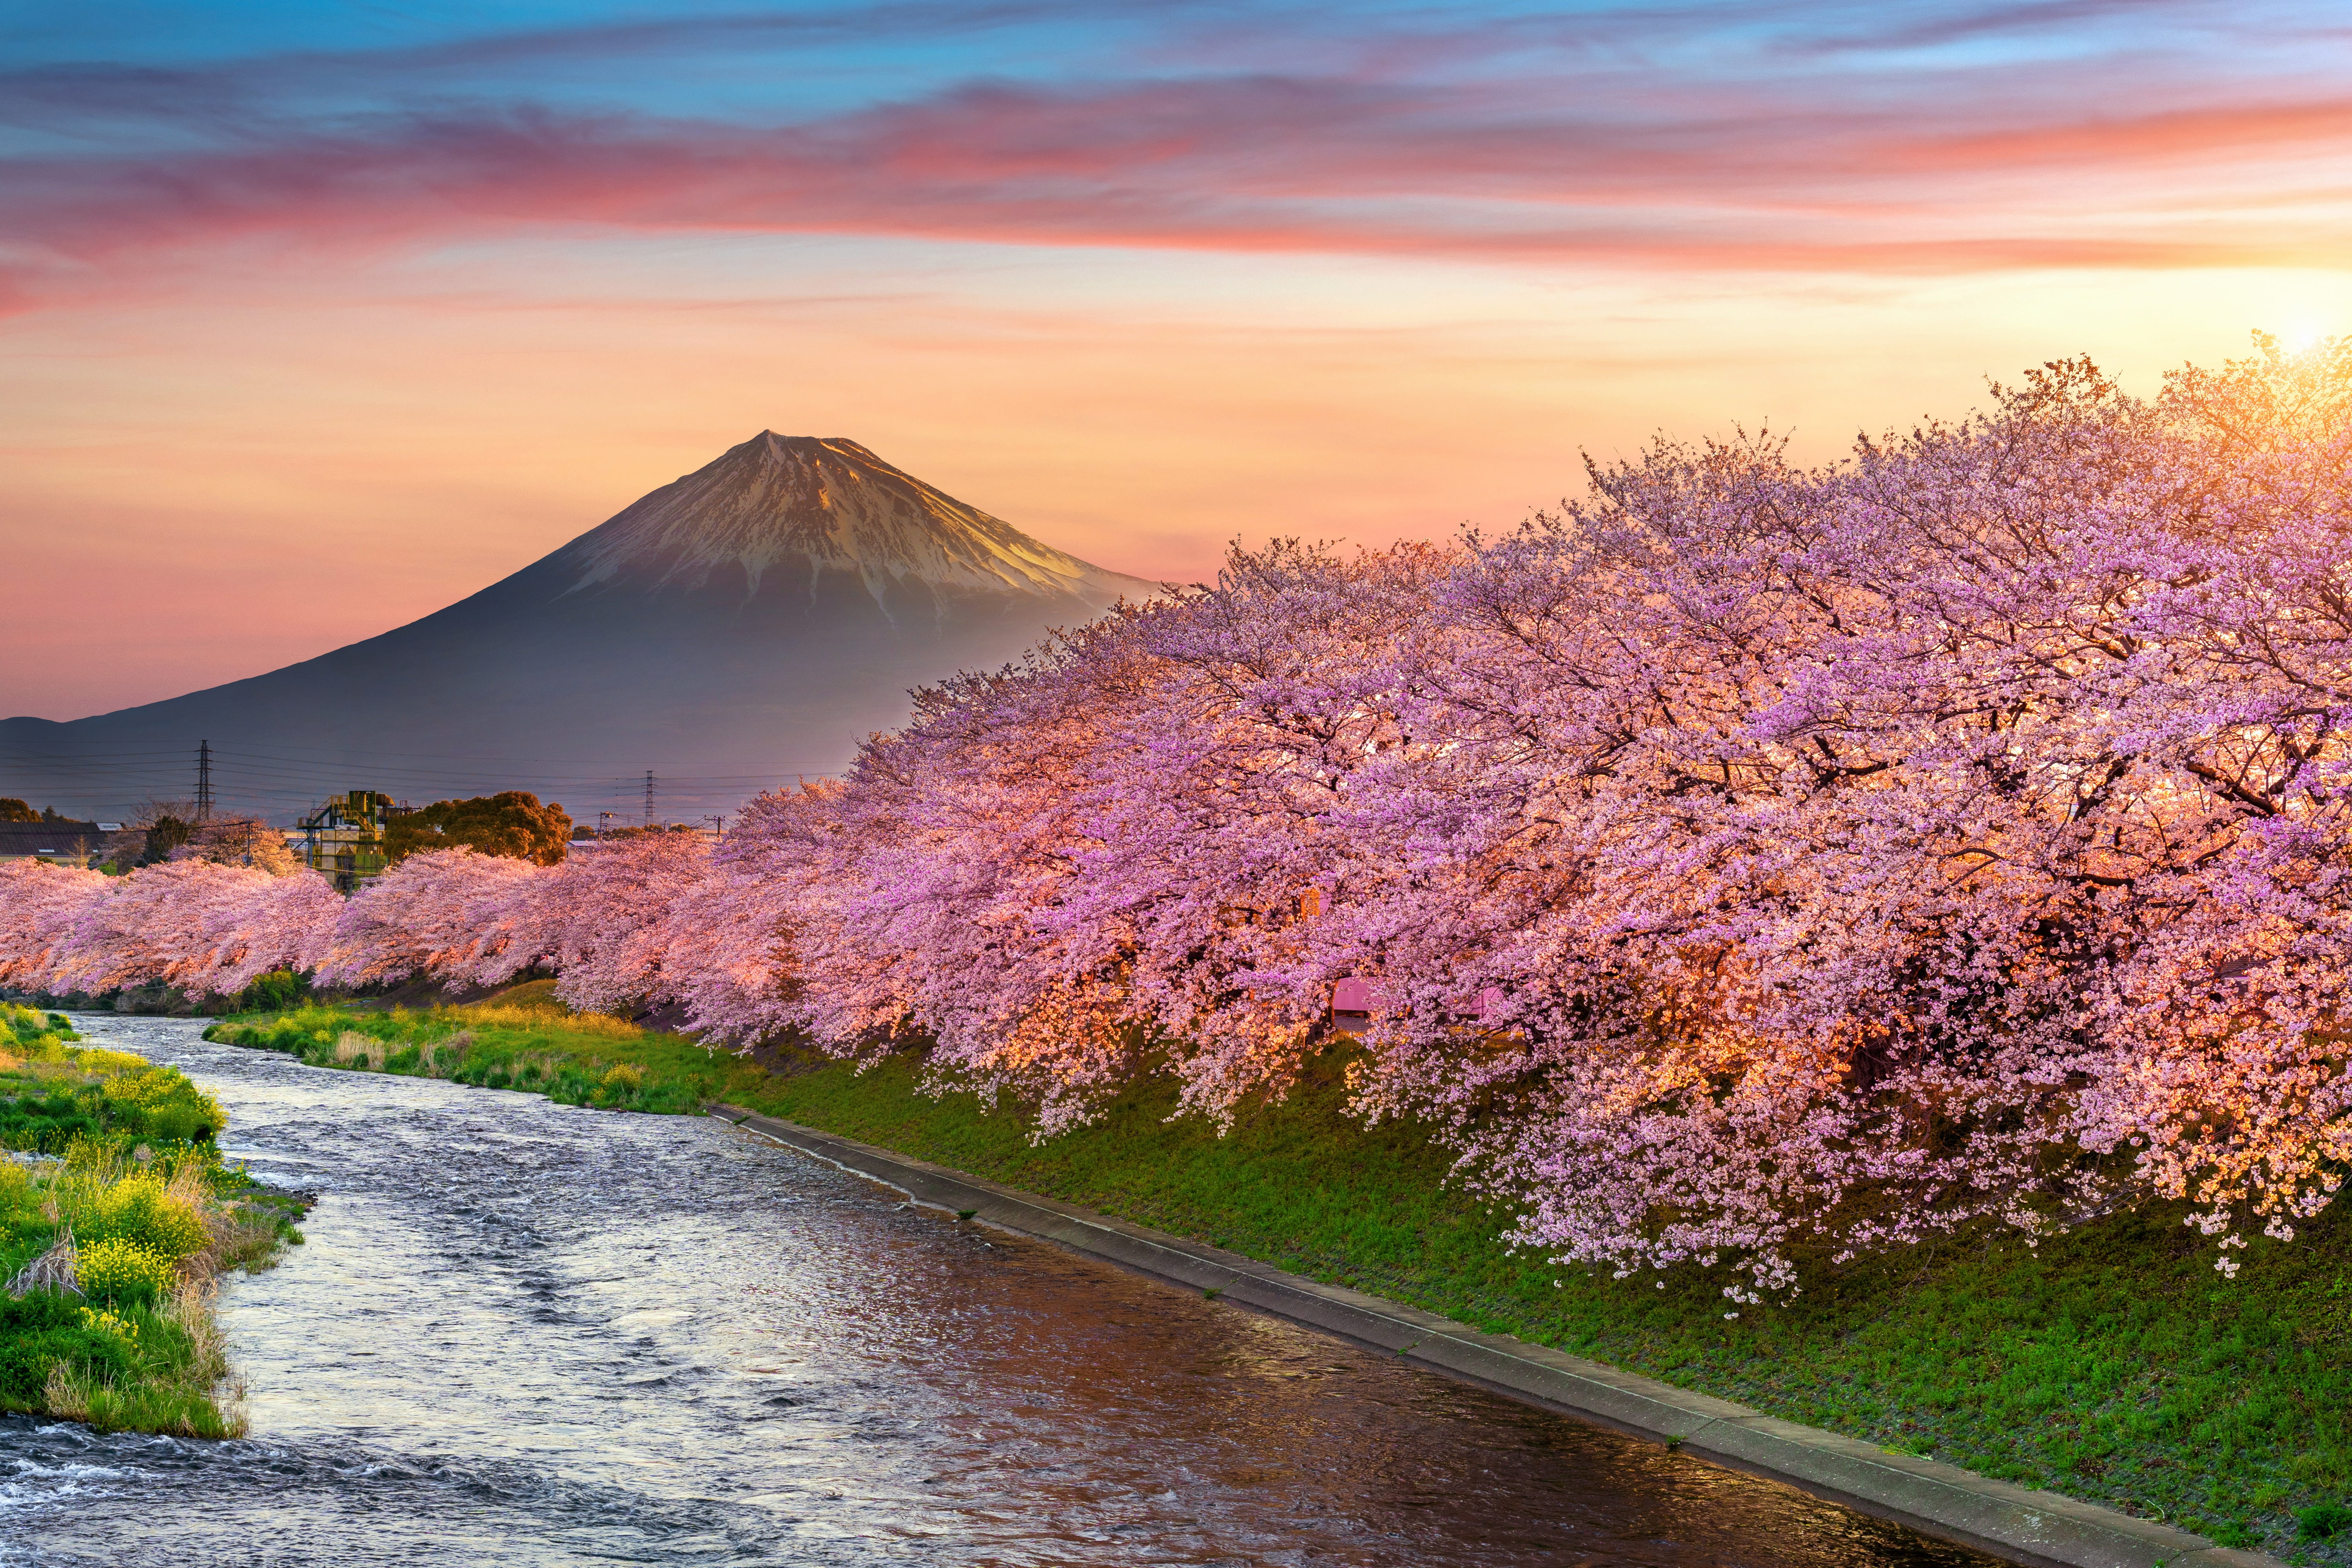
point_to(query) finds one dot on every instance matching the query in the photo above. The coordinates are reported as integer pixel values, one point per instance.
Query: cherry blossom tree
(238, 840)
(164, 924)
(1828, 837)
(1747, 864)
(287, 922)
(39, 902)
(1905, 821)
(603, 920)
(447, 914)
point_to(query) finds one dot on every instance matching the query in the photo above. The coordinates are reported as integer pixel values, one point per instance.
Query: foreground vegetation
(116, 1215)
(2112, 1365)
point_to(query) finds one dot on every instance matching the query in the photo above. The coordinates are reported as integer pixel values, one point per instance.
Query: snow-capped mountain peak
(784, 509)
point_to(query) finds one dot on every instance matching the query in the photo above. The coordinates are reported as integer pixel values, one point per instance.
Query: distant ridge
(756, 618)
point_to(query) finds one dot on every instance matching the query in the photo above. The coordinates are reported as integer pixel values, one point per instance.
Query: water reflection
(526, 1333)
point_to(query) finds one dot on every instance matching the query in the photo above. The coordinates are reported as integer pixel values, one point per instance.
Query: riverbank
(2112, 1365)
(117, 1216)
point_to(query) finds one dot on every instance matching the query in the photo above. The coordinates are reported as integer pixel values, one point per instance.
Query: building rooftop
(20, 840)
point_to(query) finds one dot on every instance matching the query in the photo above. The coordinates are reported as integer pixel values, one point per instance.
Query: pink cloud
(2230, 132)
(1242, 164)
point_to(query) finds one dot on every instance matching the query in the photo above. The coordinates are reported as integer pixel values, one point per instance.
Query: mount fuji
(752, 620)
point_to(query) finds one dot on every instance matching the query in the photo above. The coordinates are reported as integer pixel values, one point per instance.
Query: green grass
(2113, 1365)
(136, 1175)
(519, 1040)
(54, 1093)
(119, 1366)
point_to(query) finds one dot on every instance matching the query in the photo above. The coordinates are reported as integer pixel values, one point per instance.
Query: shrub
(137, 1209)
(621, 1083)
(178, 1121)
(2321, 1521)
(32, 1031)
(161, 1103)
(276, 992)
(121, 1268)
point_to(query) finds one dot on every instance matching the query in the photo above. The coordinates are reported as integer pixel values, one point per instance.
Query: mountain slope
(748, 621)
(830, 505)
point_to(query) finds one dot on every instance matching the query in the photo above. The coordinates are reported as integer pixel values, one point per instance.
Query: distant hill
(756, 618)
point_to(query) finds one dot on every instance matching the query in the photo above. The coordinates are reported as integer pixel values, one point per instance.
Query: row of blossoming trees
(1746, 862)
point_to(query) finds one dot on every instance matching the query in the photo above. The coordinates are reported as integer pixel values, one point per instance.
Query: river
(526, 1333)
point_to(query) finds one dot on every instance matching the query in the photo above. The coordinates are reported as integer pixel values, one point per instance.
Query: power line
(492, 768)
(341, 753)
(282, 779)
(93, 756)
(308, 769)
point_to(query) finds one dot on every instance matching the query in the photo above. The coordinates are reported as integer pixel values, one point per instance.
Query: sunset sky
(318, 317)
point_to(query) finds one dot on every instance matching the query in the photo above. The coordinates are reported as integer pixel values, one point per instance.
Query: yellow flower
(120, 1263)
(138, 1208)
(100, 1319)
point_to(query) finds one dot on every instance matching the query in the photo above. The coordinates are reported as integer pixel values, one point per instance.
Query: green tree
(168, 833)
(15, 810)
(512, 824)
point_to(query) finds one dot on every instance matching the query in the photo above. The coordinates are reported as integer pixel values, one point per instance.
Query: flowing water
(525, 1333)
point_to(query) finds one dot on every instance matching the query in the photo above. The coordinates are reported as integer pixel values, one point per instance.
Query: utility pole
(602, 817)
(204, 780)
(718, 826)
(649, 797)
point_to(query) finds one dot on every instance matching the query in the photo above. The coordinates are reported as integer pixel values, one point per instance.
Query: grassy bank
(116, 1216)
(517, 1041)
(2114, 1365)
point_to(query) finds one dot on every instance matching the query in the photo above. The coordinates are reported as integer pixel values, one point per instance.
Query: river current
(526, 1333)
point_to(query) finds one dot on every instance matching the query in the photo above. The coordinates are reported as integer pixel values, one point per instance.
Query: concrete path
(1936, 1498)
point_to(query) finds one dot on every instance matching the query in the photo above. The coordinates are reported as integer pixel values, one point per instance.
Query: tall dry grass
(431, 1054)
(487, 1014)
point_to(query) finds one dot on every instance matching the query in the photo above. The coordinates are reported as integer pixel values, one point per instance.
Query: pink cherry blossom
(447, 914)
(39, 903)
(1746, 864)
